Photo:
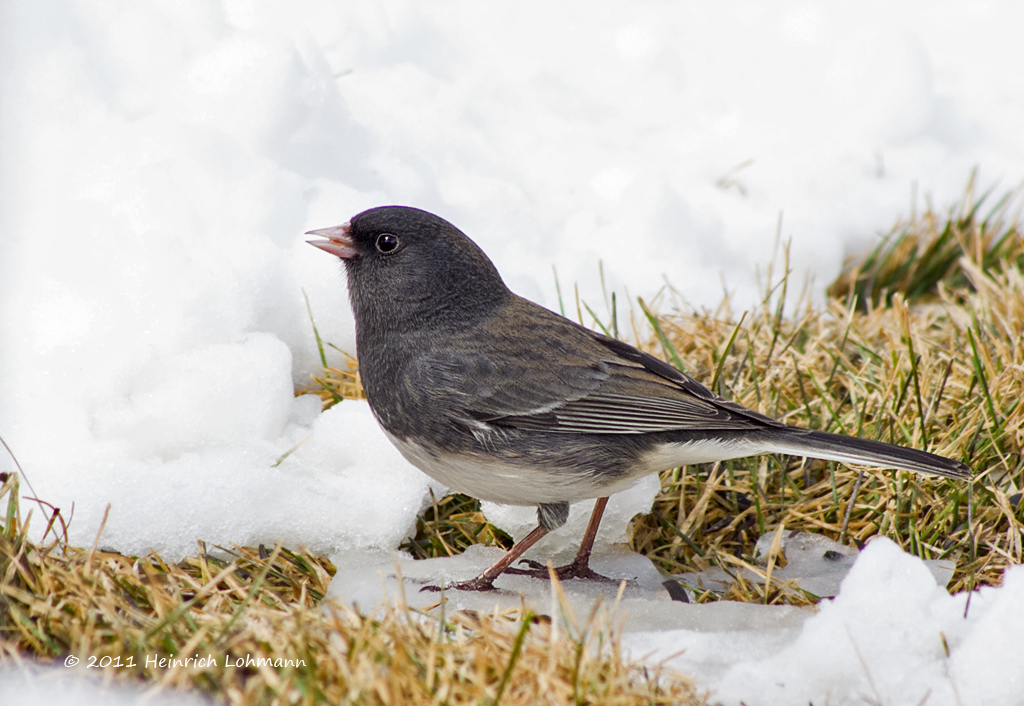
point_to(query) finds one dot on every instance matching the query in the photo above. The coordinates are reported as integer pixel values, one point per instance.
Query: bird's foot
(575, 570)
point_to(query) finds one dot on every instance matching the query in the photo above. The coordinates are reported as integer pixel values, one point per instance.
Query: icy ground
(893, 635)
(160, 161)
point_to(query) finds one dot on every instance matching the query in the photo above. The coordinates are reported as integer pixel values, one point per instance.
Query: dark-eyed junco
(499, 398)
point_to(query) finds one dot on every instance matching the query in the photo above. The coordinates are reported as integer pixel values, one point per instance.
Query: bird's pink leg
(485, 581)
(580, 567)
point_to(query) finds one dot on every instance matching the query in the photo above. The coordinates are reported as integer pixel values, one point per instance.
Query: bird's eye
(386, 242)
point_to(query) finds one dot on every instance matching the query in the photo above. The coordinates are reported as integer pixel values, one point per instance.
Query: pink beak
(339, 241)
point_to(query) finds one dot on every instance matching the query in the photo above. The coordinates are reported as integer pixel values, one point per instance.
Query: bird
(504, 400)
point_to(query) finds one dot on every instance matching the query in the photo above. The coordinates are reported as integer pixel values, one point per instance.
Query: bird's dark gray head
(408, 268)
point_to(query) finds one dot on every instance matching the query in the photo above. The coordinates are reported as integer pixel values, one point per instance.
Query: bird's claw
(535, 565)
(575, 570)
(478, 584)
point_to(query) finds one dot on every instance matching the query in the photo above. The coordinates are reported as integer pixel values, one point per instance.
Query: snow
(33, 686)
(160, 161)
(891, 636)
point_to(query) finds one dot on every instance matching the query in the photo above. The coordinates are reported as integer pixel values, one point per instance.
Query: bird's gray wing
(575, 382)
(640, 394)
(585, 383)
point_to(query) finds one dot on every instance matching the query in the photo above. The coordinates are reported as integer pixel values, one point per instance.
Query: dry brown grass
(335, 384)
(934, 387)
(942, 372)
(123, 614)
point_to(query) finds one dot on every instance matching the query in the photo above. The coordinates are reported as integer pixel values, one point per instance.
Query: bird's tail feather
(849, 449)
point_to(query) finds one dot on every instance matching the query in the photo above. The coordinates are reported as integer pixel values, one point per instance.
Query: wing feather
(623, 414)
(567, 379)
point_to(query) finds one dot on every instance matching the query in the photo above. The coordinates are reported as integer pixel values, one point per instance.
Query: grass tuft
(450, 525)
(946, 376)
(248, 626)
(931, 249)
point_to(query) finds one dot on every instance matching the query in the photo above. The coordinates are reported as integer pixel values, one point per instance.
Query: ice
(644, 605)
(814, 563)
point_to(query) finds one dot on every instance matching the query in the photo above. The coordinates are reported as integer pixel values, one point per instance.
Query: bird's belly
(490, 478)
(512, 484)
